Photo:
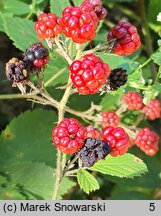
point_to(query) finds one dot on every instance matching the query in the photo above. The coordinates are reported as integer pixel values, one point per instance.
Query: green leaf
(109, 101)
(77, 2)
(37, 179)
(157, 58)
(157, 87)
(34, 177)
(127, 166)
(154, 7)
(15, 7)
(86, 181)
(142, 186)
(56, 63)
(3, 180)
(28, 137)
(66, 184)
(115, 61)
(101, 36)
(1, 24)
(10, 193)
(58, 6)
(20, 31)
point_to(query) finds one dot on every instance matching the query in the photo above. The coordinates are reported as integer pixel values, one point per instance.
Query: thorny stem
(106, 46)
(138, 120)
(62, 51)
(67, 167)
(61, 111)
(145, 63)
(158, 75)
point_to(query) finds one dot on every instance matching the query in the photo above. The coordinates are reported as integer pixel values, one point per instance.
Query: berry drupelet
(37, 55)
(110, 119)
(48, 26)
(89, 74)
(91, 132)
(16, 70)
(117, 138)
(153, 110)
(93, 151)
(147, 141)
(133, 101)
(127, 38)
(68, 136)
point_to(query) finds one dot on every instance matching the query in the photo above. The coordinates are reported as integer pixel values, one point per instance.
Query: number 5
(152, 207)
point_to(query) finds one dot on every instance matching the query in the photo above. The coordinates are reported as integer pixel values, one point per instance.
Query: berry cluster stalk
(61, 158)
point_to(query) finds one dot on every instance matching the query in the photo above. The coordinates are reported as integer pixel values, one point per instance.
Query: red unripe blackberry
(97, 6)
(93, 150)
(37, 54)
(127, 38)
(91, 132)
(147, 141)
(16, 70)
(89, 74)
(110, 119)
(80, 23)
(117, 139)
(68, 136)
(133, 100)
(153, 110)
(48, 26)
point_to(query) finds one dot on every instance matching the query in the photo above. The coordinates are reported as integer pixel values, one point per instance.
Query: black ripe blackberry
(16, 70)
(37, 54)
(117, 78)
(93, 151)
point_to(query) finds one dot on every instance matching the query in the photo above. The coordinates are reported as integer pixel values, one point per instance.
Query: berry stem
(59, 172)
(71, 172)
(61, 111)
(145, 63)
(62, 51)
(157, 75)
(106, 46)
(67, 167)
(138, 120)
(131, 132)
(58, 175)
(55, 76)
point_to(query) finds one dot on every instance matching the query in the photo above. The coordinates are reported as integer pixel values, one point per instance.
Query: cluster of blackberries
(93, 151)
(35, 59)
